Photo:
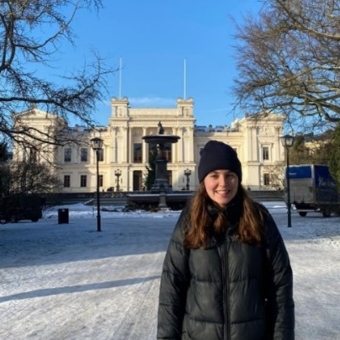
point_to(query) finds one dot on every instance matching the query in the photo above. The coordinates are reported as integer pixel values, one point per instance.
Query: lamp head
(287, 141)
(96, 143)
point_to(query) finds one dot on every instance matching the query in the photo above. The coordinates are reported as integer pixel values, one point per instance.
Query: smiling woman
(226, 273)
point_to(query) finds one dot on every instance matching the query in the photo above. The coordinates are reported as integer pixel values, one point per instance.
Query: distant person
(226, 273)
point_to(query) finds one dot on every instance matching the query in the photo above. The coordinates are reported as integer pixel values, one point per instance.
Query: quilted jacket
(227, 291)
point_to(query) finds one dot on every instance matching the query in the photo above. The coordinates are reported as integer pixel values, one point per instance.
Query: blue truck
(312, 188)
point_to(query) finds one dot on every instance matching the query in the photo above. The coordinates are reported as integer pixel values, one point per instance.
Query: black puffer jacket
(219, 293)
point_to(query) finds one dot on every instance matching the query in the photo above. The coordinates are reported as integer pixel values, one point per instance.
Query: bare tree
(32, 177)
(276, 172)
(31, 35)
(288, 59)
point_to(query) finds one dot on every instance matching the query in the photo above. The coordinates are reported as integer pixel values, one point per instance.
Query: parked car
(16, 207)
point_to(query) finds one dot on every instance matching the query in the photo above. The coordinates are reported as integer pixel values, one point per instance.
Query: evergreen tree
(318, 152)
(151, 168)
(3, 152)
(334, 163)
(298, 153)
(4, 170)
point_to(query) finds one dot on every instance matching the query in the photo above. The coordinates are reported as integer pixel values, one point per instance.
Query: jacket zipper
(225, 272)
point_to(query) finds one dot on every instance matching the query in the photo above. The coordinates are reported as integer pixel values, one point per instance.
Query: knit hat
(216, 156)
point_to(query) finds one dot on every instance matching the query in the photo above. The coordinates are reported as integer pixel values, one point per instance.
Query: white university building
(255, 138)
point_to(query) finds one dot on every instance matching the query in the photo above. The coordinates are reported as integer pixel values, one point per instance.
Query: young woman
(226, 274)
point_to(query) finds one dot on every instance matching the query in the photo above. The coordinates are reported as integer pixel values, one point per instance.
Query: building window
(166, 151)
(83, 181)
(101, 180)
(83, 154)
(67, 181)
(137, 152)
(138, 182)
(67, 155)
(266, 179)
(169, 177)
(29, 155)
(265, 153)
(33, 155)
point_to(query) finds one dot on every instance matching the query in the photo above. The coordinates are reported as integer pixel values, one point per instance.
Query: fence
(118, 199)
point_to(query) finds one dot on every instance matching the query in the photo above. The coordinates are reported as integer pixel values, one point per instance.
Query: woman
(226, 274)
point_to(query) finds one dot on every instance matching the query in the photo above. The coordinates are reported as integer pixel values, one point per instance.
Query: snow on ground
(68, 281)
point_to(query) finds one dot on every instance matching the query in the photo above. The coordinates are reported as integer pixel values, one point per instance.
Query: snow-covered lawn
(68, 281)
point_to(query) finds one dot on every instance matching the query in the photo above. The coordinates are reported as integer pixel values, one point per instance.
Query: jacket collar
(232, 212)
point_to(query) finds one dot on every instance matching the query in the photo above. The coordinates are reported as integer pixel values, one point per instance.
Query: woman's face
(221, 186)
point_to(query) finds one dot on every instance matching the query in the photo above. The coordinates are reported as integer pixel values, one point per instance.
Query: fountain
(161, 193)
(161, 181)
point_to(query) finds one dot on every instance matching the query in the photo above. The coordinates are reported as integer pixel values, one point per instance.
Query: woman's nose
(223, 180)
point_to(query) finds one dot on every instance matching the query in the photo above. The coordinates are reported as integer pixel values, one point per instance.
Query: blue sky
(153, 38)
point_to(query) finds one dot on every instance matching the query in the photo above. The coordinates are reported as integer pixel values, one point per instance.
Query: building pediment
(34, 114)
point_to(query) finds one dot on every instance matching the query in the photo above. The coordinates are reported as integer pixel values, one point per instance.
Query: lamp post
(287, 142)
(118, 172)
(187, 173)
(97, 145)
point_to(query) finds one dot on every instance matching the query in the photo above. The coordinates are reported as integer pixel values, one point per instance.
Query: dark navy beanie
(216, 156)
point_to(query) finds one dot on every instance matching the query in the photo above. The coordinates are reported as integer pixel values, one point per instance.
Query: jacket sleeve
(175, 280)
(280, 311)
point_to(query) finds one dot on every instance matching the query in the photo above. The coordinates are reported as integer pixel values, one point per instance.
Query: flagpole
(185, 80)
(120, 78)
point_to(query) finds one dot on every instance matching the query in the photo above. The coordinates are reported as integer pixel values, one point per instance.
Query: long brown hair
(201, 226)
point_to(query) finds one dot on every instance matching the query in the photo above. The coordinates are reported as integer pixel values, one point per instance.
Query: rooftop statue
(160, 129)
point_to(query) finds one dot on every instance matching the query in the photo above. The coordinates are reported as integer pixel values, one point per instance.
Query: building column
(174, 147)
(252, 144)
(130, 146)
(126, 143)
(190, 142)
(181, 146)
(119, 147)
(114, 147)
(144, 148)
(277, 145)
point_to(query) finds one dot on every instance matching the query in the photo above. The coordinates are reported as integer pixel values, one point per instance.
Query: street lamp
(187, 173)
(97, 145)
(118, 172)
(287, 142)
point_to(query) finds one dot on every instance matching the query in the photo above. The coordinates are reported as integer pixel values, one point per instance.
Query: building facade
(125, 156)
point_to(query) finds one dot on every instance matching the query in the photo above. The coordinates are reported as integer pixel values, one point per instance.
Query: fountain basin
(174, 200)
(161, 139)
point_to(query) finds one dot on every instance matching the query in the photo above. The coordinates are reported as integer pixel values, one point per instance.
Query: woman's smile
(221, 186)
